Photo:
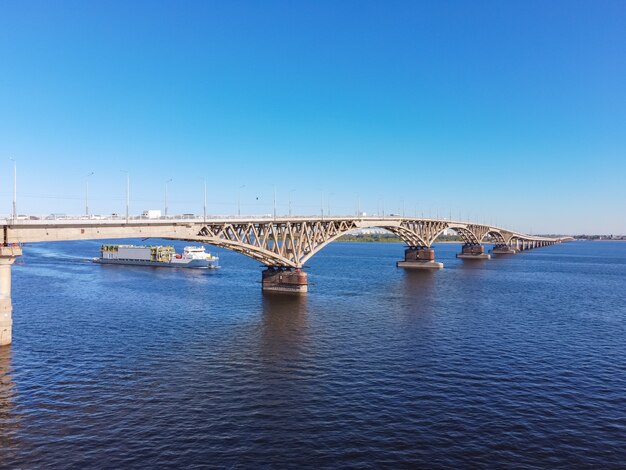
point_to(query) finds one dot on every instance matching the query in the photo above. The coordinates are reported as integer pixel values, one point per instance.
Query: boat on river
(158, 256)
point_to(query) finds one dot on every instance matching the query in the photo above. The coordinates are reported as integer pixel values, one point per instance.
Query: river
(519, 361)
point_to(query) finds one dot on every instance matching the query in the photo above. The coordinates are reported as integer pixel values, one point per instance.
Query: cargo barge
(158, 256)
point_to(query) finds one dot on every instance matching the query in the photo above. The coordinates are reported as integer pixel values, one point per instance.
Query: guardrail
(38, 220)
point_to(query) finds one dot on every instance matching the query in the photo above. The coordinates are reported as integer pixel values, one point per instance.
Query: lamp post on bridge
(87, 193)
(290, 192)
(168, 181)
(239, 199)
(204, 207)
(274, 202)
(14, 190)
(127, 193)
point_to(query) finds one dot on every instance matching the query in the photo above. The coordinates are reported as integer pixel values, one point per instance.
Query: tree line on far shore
(390, 238)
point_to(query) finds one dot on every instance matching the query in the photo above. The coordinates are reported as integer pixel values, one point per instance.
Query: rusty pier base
(286, 280)
(503, 250)
(419, 257)
(473, 251)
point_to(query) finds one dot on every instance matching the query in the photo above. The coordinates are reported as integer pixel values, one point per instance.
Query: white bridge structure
(282, 244)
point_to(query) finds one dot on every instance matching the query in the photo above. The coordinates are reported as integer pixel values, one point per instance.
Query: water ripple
(518, 362)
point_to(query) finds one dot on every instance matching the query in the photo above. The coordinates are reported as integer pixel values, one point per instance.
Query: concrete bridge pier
(419, 257)
(503, 249)
(285, 279)
(7, 258)
(473, 251)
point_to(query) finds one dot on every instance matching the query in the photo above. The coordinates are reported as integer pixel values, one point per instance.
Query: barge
(158, 256)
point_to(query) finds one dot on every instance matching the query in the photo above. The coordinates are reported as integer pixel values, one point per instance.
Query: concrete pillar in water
(7, 257)
(503, 249)
(287, 280)
(473, 251)
(419, 257)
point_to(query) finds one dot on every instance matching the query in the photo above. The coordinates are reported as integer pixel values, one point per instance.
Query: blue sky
(509, 113)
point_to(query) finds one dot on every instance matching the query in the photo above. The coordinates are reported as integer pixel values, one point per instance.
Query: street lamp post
(87, 194)
(204, 207)
(168, 181)
(274, 202)
(239, 199)
(290, 192)
(14, 190)
(127, 193)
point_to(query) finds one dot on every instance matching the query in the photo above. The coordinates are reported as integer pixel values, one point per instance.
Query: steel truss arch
(464, 232)
(496, 235)
(292, 242)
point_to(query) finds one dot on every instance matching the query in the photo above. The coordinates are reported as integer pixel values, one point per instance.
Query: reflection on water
(473, 265)
(418, 283)
(284, 326)
(8, 417)
(416, 294)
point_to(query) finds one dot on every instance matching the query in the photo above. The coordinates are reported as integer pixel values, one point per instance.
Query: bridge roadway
(282, 244)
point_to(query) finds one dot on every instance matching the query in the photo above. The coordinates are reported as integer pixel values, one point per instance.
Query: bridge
(282, 245)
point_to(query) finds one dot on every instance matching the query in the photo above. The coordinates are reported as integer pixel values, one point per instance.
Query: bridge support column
(419, 257)
(7, 257)
(289, 280)
(473, 251)
(503, 249)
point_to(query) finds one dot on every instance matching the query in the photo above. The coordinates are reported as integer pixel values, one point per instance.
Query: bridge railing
(65, 219)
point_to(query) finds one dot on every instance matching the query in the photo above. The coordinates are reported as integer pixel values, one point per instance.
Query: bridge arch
(290, 243)
(464, 232)
(406, 235)
(495, 235)
(293, 244)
